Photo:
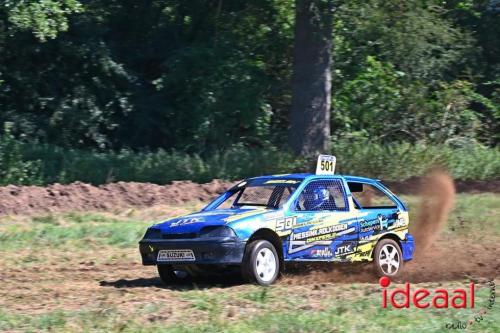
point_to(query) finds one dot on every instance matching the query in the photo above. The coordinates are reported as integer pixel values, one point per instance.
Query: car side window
(369, 196)
(287, 193)
(321, 195)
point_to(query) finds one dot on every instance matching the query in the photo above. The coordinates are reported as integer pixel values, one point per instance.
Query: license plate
(175, 255)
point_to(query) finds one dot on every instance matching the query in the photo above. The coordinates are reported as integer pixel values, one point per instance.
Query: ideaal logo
(459, 298)
(423, 298)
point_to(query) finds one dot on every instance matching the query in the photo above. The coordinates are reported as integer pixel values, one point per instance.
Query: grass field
(81, 272)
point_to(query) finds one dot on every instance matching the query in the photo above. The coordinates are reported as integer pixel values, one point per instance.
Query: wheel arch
(392, 236)
(272, 237)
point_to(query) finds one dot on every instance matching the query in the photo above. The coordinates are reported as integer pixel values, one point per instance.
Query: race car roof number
(325, 165)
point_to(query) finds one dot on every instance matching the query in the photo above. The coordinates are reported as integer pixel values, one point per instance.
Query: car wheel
(388, 258)
(170, 276)
(261, 264)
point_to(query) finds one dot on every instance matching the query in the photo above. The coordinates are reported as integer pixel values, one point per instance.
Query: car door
(378, 211)
(325, 229)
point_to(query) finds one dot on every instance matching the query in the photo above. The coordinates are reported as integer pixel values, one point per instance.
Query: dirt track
(124, 282)
(102, 277)
(29, 200)
(448, 259)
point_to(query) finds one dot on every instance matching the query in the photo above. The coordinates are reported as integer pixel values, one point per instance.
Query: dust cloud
(437, 195)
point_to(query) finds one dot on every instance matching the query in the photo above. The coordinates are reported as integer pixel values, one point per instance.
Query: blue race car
(264, 222)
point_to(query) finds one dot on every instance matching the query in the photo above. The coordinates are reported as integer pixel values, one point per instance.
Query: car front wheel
(388, 258)
(170, 276)
(261, 264)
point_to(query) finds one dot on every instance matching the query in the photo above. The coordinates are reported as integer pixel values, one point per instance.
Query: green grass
(260, 295)
(351, 315)
(75, 229)
(471, 213)
(476, 212)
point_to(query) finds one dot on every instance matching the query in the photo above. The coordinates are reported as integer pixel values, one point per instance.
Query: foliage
(399, 161)
(368, 104)
(198, 81)
(161, 90)
(205, 75)
(396, 76)
(13, 168)
(45, 18)
(45, 164)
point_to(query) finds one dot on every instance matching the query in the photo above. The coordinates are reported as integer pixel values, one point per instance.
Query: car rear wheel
(388, 258)
(261, 264)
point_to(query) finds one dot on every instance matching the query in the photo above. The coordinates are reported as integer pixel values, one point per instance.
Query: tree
(45, 18)
(311, 81)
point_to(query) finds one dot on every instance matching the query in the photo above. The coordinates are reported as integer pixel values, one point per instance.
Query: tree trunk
(311, 81)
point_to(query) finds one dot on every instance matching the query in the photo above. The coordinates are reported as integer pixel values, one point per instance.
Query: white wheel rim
(265, 264)
(389, 260)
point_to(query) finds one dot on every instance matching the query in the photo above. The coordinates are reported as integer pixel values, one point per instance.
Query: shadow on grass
(189, 283)
(295, 274)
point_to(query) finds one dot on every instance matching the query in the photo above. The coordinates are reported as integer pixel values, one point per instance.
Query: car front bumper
(224, 250)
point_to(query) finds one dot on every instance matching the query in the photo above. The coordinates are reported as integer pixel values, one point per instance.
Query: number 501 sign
(325, 165)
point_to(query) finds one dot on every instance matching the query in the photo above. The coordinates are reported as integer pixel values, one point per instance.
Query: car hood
(193, 223)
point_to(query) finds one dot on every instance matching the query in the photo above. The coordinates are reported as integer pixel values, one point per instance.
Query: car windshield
(270, 194)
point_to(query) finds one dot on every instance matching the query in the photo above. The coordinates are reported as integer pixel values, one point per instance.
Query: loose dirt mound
(79, 196)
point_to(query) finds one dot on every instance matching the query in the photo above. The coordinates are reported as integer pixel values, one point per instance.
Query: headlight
(217, 231)
(152, 233)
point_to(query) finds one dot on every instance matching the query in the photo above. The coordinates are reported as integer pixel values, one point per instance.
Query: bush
(403, 160)
(14, 169)
(44, 164)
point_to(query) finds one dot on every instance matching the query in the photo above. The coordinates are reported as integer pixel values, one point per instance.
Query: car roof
(360, 179)
(296, 176)
(303, 176)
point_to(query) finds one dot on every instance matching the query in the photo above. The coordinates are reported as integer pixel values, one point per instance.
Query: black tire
(254, 269)
(168, 275)
(384, 265)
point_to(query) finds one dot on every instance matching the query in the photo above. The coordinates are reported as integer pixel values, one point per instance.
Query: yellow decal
(321, 237)
(243, 215)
